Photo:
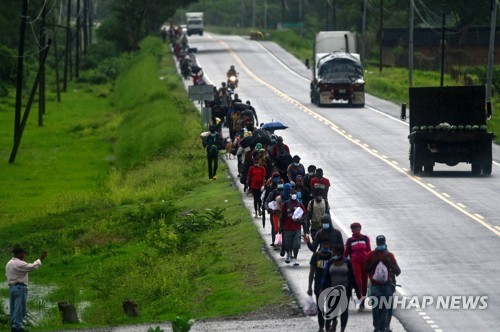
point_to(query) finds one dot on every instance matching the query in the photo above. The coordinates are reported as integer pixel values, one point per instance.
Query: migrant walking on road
(295, 169)
(317, 264)
(357, 248)
(382, 269)
(320, 182)
(338, 272)
(311, 170)
(316, 209)
(273, 208)
(16, 272)
(326, 233)
(292, 214)
(255, 182)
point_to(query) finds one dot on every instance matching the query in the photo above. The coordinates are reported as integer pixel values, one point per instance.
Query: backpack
(381, 274)
(212, 145)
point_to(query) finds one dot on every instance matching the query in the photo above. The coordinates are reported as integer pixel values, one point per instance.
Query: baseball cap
(17, 249)
(380, 240)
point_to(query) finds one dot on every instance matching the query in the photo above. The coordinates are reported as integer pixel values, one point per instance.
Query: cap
(380, 240)
(296, 158)
(355, 225)
(258, 146)
(18, 250)
(287, 186)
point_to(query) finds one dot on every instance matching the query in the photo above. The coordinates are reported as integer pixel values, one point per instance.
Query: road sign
(201, 92)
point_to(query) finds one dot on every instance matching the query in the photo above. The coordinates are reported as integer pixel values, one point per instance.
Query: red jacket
(256, 177)
(287, 209)
(374, 257)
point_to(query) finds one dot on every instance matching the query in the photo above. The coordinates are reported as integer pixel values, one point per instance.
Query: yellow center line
(363, 146)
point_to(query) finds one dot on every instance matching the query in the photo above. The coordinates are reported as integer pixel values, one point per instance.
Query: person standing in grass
(212, 142)
(16, 272)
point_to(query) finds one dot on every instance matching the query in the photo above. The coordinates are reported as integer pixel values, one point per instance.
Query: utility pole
(85, 26)
(41, 64)
(410, 43)
(56, 62)
(363, 28)
(442, 48)
(381, 33)
(78, 40)
(491, 53)
(265, 14)
(24, 120)
(334, 16)
(20, 69)
(253, 13)
(67, 51)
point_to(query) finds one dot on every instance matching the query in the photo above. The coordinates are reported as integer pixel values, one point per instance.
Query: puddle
(37, 302)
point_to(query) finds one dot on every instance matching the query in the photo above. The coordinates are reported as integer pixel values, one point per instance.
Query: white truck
(194, 23)
(337, 69)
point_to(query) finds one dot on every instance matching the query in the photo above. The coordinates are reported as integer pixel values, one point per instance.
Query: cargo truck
(194, 23)
(337, 70)
(448, 125)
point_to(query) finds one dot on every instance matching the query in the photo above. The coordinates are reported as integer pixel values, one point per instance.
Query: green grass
(114, 187)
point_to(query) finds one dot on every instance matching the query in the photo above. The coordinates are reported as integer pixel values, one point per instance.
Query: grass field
(114, 187)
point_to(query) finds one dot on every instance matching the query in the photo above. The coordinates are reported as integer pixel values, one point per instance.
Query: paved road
(444, 229)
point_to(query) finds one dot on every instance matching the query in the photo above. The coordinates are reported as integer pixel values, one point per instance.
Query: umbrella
(272, 126)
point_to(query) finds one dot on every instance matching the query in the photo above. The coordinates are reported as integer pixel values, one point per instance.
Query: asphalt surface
(444, 229)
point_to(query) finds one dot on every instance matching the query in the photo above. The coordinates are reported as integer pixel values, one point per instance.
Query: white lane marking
(461, 205)
(364, 146)
(445, 195)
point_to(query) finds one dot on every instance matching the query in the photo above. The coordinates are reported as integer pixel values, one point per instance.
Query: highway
(444, 229)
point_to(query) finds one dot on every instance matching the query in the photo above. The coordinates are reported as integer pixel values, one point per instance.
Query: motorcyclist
(231, 72)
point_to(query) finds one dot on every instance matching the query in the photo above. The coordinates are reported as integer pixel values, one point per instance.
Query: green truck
(448, 125)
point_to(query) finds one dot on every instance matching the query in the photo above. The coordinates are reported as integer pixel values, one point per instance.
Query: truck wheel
(428, 169)
(476, 168)
(415, 167)
(487, 168)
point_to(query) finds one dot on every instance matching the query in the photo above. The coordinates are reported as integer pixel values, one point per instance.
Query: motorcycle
(185, 67)
(232, 82)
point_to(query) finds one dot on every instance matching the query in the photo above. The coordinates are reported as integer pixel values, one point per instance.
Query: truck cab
(194, 23)
(338, 73)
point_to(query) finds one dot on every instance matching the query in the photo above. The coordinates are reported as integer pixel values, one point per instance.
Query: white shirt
(17, 270)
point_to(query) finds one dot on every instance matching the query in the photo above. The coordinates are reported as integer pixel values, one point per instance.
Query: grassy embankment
(115, 188)
(390, 84)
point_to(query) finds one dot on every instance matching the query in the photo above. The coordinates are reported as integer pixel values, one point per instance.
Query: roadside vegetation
(114, 187)
(393, 82)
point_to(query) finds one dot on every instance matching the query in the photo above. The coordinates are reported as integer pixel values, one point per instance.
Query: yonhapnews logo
(333, 301)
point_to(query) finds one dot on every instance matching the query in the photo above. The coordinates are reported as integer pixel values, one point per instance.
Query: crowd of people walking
(293, 201)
